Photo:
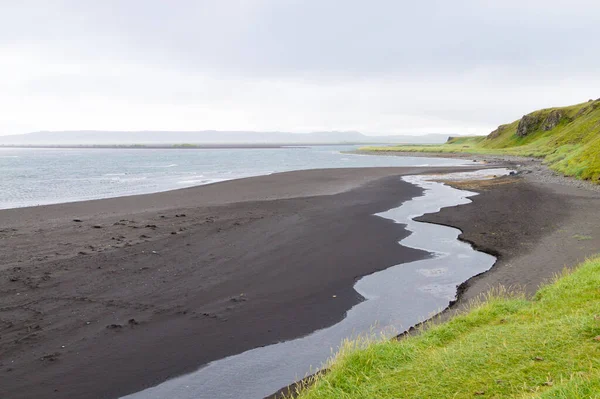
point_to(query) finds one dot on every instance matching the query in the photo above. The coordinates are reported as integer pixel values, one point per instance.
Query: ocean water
(31, 176)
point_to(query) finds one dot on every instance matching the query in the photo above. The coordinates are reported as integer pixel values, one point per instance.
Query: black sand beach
(104, 298)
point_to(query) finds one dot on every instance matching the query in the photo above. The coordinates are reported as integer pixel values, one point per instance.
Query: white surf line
(396, 299)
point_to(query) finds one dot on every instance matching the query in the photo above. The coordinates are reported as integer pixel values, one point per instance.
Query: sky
(377, 66)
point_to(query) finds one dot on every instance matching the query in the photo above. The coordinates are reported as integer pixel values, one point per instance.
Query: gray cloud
(380, 65)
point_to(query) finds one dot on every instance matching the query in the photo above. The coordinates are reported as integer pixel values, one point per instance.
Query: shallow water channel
(395, 299)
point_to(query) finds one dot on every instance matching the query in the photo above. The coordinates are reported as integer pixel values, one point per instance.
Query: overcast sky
(377, 66)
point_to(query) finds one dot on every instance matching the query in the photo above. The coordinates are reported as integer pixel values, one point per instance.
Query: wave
(200, 182)
(127, 179)
(160, 166)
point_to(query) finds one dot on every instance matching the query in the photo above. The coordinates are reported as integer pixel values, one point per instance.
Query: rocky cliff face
(532, 122)
(528, 124)
(552, 120)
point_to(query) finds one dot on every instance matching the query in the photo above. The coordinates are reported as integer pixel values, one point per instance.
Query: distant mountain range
(211, 137)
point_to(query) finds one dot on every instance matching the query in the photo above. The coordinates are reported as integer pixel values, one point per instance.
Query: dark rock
(151, 226)
(97, 226)
(133, 322)
(51, 357)
(241, 298)
(114, 326)
(528, 124)
(77, 220)
(552, 120)
(121, 223)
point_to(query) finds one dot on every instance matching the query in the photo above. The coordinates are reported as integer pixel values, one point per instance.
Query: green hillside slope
(567, 138)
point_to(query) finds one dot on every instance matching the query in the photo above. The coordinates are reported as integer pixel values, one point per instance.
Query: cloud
(381, 67)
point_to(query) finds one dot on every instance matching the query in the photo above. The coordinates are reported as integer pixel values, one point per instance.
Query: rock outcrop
(532, 122)
(552, 120)
(528, 124)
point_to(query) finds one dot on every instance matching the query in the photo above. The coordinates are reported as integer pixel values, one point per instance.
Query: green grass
(571, 148)
(505, 347)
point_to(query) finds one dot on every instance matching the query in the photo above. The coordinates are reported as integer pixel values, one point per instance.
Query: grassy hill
(507, 347)
(567, 138)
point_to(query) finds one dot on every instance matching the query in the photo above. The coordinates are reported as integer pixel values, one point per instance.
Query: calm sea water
(46, 176)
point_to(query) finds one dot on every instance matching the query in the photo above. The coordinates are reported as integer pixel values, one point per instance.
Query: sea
(40, 176)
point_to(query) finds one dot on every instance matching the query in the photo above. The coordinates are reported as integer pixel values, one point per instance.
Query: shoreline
(136, 290)
(524, 164)
(151, 179)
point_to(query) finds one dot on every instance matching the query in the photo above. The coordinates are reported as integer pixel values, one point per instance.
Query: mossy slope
(507, 347)
(567, 138)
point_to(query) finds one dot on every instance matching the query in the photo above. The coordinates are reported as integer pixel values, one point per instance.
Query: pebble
(538, 172)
